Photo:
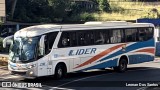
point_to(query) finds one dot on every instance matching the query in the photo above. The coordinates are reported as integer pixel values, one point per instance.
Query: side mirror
(42, 45)
(7, 40)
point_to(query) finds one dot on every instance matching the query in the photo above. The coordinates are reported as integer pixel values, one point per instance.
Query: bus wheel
(122, 67)
(60, 71)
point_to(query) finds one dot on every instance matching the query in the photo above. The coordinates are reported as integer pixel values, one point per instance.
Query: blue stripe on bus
(109, 63)
(133, 58)
(113, 63)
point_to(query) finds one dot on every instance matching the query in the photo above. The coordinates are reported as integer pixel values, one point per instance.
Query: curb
(4, 71)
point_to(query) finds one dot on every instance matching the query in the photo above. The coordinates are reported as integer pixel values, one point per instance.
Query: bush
(87, 17)
(116, 8)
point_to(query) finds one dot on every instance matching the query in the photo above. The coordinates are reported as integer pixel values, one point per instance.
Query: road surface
(143, 75)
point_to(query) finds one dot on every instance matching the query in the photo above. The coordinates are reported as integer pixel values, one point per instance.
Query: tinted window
(49, 40)
(130, 35)
(99, 37)
(149, 33)
(116, 36)
(145, 34)
(64, 40)
(82, 38)
(73, 39)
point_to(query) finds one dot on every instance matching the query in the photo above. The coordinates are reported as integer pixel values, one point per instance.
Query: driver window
(49, 41)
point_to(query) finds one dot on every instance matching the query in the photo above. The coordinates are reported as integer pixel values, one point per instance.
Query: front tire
(122, 67)
(60, 71)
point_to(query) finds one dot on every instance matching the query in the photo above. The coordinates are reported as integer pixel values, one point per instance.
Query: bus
(44, 50)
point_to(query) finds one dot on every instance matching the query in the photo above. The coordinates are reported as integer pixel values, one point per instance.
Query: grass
(126, 11)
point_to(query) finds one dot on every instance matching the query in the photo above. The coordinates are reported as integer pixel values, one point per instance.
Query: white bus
(59, 49)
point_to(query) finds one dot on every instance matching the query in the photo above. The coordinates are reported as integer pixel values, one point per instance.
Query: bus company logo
(82, 51)
(6, 84)
(55, 55)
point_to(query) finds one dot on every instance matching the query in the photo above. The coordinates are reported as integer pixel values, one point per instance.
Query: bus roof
(46, 28)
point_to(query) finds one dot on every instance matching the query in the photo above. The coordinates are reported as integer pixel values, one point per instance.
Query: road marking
(57, 88)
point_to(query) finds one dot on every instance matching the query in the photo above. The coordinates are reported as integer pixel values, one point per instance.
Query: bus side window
(149, 33)
(130, 34)
(116, 36)
(89, 37)
(81, 38)
(99, 37)
(145, 34)
(73, 39)
(64, 40)
(107, 37)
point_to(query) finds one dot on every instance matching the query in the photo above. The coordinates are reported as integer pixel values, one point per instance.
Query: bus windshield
(24, 49)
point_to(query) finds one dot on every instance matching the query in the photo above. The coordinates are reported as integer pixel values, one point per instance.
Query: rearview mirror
(7, 40)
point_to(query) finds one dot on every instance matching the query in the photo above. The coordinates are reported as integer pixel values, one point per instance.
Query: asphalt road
(144, 74)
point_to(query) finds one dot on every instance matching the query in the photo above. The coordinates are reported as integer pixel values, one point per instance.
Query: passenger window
(145, 34)
(107, 37)
(117, 36)
(73, 39)
(149, 32)
(89, 37)
(65, 40)
(142, 34)
(99, 37)
(81, 38)
(130, 34)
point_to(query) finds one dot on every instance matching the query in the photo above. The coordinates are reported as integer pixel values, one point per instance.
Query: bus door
(42, 66)
(42, 62)
(49, 66)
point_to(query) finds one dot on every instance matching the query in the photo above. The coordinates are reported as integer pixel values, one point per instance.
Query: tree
(31, 11)
(59, 8)
(103, 5)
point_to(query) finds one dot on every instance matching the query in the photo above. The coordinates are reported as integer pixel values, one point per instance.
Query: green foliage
(52, 10)
(86, 17)
(47, 11)
(115, 8)
(59, 8)
(103, 5)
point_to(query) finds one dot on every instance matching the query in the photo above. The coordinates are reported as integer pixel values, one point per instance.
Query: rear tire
(60, 71)
(122, 67)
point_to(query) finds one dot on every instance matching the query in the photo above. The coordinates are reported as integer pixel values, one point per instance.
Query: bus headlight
(31, 73)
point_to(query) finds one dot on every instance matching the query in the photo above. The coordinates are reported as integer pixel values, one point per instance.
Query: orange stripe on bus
(149, 50)
(100, 55)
